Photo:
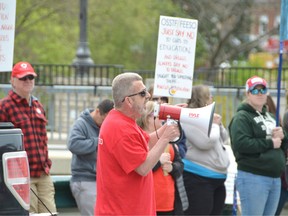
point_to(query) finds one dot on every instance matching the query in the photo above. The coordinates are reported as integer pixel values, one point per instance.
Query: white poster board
(7, 33)
(231, 176)
(175, 57)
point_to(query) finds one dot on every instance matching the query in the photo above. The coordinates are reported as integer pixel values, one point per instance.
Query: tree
(46, 31)
(119, 32)
(126, 32)
(224, 28)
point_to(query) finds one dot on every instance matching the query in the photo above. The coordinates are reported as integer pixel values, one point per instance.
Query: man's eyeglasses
(256, 91)
(143, 93)
(30, 77)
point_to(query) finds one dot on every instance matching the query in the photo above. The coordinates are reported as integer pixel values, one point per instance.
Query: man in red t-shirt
(127, 154)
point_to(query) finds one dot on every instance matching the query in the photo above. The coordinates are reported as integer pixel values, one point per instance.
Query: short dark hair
(105, 106)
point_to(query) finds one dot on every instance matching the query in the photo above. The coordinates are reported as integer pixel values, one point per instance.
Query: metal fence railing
(65, 93)
(63, 104)
(102, 75)
(50, 74)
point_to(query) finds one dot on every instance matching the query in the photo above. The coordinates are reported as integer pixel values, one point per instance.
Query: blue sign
(284, 20)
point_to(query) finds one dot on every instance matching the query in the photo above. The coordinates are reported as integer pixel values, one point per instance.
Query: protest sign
(175, 57)
(284, 21)
(231, 176)
(283, 37)
(7, 33)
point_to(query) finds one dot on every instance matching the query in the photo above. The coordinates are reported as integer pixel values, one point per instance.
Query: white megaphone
(202, 117)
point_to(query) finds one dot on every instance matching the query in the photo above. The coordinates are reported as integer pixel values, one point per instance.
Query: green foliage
(126, 32)
(118, 32)
(46, 31)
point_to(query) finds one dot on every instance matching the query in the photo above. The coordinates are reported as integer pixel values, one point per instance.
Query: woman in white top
(206, 161)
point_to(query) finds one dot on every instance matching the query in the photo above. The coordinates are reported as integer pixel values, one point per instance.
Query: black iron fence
(65, 90)
(102, 75)
(52, 74)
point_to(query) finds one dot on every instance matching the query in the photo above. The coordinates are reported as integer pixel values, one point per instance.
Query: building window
(277, 22)
(263, 24)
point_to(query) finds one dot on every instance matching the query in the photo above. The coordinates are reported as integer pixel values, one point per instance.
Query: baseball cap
(254, 81)
(22, 69)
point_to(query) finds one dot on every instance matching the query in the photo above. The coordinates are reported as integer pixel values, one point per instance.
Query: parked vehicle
(14, 172)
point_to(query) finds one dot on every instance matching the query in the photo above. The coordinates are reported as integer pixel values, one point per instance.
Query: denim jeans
(259, 195)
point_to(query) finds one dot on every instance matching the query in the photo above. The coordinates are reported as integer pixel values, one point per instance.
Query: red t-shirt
(122, 147)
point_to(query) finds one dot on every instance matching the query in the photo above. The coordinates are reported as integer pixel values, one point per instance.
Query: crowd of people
(125, 160)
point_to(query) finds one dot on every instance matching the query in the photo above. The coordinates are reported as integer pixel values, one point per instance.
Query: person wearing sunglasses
(127, 154)
(23, 109)
(259, 147)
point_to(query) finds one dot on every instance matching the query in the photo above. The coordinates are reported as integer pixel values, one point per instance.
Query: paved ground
(285, 210)
(75, 212)
(68, 212)
(61, 212)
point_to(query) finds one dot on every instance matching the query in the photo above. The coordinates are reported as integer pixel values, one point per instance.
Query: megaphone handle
(165, 173)
(181, 134)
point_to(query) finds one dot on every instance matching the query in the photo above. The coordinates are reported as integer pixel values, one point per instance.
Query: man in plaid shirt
(24, 110)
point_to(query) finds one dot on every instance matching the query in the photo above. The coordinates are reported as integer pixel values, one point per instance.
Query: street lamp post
(83, 59)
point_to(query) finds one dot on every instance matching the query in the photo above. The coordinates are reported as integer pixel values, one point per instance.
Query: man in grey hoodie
(83, 142)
